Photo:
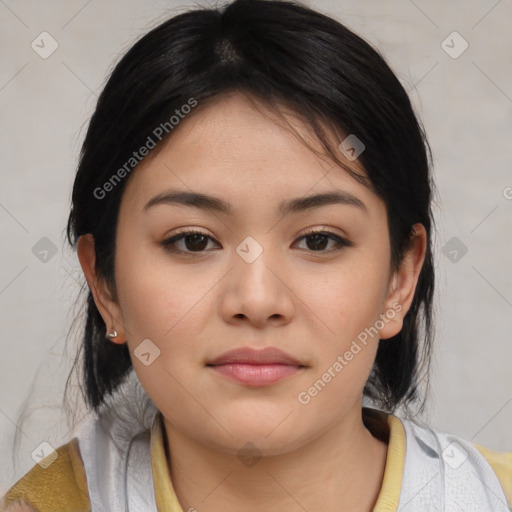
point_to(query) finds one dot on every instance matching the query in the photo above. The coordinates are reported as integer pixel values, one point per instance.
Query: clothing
(117, 461)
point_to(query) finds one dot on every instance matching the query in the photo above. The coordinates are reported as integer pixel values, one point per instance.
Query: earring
(112, 334)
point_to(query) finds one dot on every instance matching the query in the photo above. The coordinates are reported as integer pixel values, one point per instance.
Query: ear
(108, 308)
(403, 283)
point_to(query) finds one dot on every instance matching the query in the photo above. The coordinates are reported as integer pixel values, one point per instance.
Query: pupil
(195, 245)
(315, 241)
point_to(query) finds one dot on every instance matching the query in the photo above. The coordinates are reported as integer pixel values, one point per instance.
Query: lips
(256, 368)
(266, 356)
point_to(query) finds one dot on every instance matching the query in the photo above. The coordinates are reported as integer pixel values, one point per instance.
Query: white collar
(441, 471)
(115, 449)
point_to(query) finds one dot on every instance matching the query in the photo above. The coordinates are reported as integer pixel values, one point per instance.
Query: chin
(262, 440)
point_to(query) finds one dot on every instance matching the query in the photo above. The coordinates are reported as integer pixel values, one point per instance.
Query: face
(254, 277)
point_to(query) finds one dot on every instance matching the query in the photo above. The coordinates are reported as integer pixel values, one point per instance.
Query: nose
(259, 286)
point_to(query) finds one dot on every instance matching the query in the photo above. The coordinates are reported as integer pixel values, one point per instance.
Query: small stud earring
(112, 334)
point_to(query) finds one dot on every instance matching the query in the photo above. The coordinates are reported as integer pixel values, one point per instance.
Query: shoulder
(462, 470)
(57, 482)
(501, 464)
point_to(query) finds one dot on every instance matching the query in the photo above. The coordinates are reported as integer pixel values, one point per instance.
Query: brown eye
(197, 241)
(193, 242)
(318, 240)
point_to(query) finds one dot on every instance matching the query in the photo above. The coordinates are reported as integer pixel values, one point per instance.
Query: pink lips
(256, 367)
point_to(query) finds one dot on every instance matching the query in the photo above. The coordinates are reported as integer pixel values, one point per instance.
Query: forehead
(245, 154)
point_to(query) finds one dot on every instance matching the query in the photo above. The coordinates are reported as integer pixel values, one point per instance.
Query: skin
(18, 506)
(310, 304)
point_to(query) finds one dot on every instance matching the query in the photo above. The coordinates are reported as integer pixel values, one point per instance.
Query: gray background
(464, 102)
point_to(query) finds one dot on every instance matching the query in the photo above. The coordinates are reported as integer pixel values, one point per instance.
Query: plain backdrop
(463, 95)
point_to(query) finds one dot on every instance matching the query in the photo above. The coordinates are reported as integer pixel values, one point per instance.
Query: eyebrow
(299, 204)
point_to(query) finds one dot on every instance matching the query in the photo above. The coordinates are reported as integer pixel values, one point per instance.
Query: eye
(196, 241)
(319, 238)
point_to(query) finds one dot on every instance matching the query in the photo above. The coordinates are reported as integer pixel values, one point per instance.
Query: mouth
(256, 367)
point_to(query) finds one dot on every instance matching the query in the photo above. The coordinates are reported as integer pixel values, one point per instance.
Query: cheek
(347, 310)
(347, 304)
(346, 299)
(162, 301)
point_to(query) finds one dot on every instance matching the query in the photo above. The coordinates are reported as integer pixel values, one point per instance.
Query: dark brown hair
(282, 53)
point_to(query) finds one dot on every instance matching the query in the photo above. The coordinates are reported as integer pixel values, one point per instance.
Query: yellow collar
(387, 500)
(166, 499)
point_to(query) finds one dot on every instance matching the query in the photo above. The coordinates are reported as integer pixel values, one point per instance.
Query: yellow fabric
(501, 463)
(389, 494)
(387, 500)
(165, 497)
(62, 487)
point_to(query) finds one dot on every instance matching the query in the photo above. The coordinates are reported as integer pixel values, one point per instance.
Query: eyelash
(341, 242)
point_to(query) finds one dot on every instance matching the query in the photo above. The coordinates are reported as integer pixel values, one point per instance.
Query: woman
(252, 213)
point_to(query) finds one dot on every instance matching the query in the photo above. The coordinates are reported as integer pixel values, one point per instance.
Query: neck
(340, 470)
